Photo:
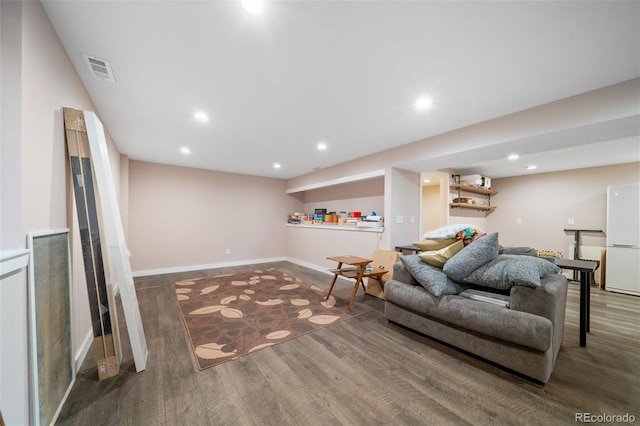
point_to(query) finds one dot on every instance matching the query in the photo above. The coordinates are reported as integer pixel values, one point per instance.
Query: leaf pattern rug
(229, 316)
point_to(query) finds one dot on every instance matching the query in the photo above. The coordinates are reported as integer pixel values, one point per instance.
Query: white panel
(14, 353)
(114, 236)
(623, 214)
(623, 270)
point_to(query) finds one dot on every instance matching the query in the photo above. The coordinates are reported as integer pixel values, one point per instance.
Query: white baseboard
(308, 265)
(161, 271)
(189, 268)
(84, 350)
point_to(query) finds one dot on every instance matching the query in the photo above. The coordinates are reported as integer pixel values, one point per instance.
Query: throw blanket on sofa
(448, 231)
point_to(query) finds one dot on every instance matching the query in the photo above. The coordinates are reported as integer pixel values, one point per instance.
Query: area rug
(233, 315)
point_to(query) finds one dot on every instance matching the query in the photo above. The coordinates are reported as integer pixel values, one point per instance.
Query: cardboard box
(383, 260)
(106, 357)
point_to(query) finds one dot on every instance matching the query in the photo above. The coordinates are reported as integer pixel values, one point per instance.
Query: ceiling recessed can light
(276, 165)
(322, 146)
(513, 157)
(531, 167)
(253, 6)
(200, 116)
(423, 103)
(185, 151)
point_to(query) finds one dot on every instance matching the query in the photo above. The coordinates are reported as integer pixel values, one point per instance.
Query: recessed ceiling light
(531, 167)
(423, 103)
(426, 181)
(253, 6)
(513, 157)
(322, 146)
(276, 165)
(200, 116)
(184, 150)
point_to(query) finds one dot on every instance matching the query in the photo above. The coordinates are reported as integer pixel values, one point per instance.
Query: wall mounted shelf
(458, 188)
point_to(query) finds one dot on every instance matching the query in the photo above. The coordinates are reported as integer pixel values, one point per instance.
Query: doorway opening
(434, 201)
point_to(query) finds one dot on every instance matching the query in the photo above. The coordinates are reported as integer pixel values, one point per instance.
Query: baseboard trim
(84, 350)
(309, 265)
(190, 268)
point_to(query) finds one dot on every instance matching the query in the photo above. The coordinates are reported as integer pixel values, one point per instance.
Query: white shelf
(336, 228)
(13, 260)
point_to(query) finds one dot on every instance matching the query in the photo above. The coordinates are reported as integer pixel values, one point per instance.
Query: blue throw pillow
(431, 278)
(471, 257)
(506, 271)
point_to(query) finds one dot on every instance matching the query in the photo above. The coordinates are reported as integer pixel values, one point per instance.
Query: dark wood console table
(408, 247)
(585, 268)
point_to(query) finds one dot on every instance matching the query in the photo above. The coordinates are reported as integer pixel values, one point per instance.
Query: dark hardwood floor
(363, 371)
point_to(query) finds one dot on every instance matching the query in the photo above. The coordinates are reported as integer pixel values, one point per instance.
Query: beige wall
(430, 208)
(184, 218)
(402, 208)
(365, 197)
(310, 246)
(46, 83)
(14, 372)
(50, 83)
(544, 203)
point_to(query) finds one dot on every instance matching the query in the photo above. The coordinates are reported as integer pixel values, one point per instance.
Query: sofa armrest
(400, 273)
(521, 251)
(549, 300)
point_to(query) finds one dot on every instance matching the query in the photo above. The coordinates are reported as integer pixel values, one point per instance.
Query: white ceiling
(346, 73)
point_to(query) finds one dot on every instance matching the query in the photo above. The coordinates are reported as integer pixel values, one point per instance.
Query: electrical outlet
(399, 219)
(227, 251)
(518, 221)
(571, 221)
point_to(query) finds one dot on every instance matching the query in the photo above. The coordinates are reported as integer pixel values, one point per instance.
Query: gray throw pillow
(431, 278)
(506, 271)
(473, 256)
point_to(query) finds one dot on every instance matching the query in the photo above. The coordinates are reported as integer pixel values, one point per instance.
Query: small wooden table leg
(335, 277)
(355, 287)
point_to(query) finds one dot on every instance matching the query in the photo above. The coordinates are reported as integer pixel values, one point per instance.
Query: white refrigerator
(623, 239)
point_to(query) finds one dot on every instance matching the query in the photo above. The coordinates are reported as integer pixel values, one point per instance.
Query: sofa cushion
(431, 278)
(434, 243)
(438, 258)
(523, 251)
(472, 256)
(505, 271)
(522, 328)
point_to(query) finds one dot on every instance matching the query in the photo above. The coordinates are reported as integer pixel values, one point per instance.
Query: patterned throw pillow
(431, 278)
(472, 256)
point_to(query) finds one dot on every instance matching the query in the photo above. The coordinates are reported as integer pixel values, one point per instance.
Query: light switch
(399, 219)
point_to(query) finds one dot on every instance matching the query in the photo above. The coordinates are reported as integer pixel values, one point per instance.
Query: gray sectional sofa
(524, 336)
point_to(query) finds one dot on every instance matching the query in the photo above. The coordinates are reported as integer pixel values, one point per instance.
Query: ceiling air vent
(100, 68)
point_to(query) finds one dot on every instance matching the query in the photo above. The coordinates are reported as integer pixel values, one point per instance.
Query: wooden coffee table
(356, 270)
